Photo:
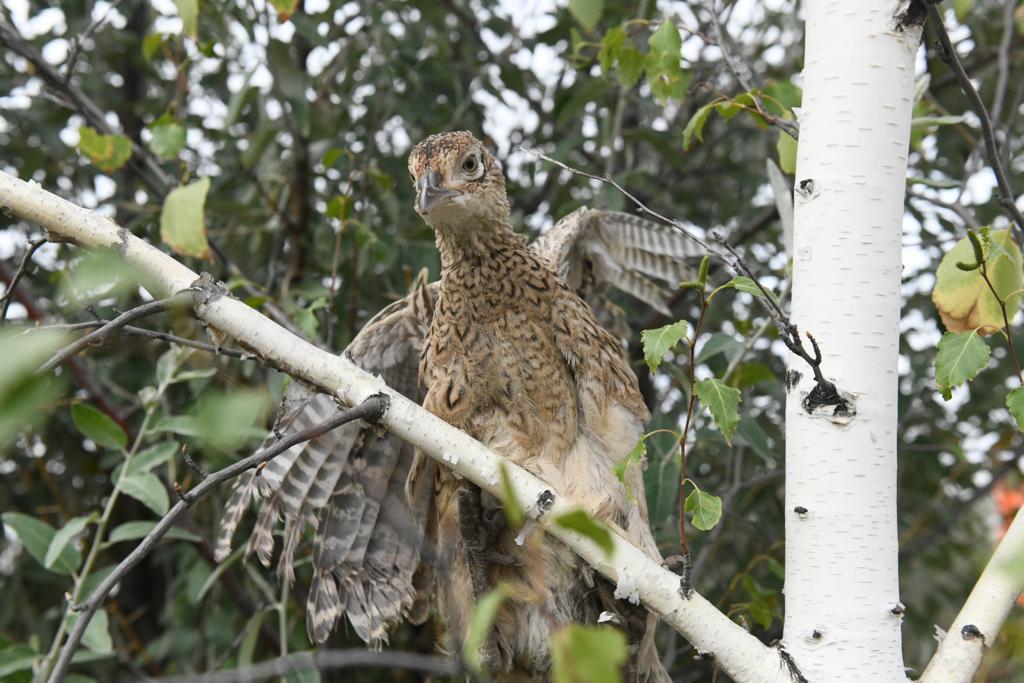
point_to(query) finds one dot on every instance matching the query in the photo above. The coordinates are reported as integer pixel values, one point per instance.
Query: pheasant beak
(429, 192)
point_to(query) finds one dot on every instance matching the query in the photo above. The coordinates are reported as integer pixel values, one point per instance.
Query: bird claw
(479, 529)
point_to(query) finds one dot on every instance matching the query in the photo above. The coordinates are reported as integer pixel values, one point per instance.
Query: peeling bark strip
(740, 654)
(841, 561)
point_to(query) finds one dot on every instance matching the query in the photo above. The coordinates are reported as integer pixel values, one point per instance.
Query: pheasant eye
(469, 165)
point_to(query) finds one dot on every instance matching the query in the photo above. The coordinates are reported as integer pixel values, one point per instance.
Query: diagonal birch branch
(979, 621)
(740, 654)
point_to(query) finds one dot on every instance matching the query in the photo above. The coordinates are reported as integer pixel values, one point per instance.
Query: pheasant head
(460, 189)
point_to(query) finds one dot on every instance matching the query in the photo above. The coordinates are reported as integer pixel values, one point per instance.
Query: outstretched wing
(349, 483)
(591, 249)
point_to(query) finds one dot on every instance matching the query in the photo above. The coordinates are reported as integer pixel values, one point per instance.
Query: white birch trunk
(739, 653)
(842, 582)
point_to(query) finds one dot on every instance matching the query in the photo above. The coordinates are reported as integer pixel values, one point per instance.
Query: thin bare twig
(187, 298)
(371, 410)
(22, 267)
(76, 43)
(150, 334)
(1003, 79)
(1007, 197)
(740, 71)
(431, 665)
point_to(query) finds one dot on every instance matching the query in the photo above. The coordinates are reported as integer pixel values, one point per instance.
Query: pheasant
(512, 355)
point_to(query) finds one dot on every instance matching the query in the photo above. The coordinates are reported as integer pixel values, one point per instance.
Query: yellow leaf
(182, 224)
(964, 300)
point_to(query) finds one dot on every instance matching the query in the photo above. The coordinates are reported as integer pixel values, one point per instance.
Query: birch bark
(842, 584)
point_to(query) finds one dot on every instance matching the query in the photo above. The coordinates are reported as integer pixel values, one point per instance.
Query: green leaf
(729, 108)
(745, 284)
(98, 427)
(26, 397)
(182, 222)
(151, 45)
(15, 658)
(963, 299)
(636, 455)
(695, 126)
(252, 632)
(587, 12)
(666, 83)
(582, 523)
(36, 535)
(63, 536)
(665, 42)
(133, 531)
(719, 342)
(154, 456)
(93, 581)
(485, 611)
(659, 341)
(961, 356)
(705, 509)
(751, 434)
(1015, 402)
(612, 43)
(587, 654)
(168, 137)
(630, 67)
(97, 633)
(962, 8)
(226, 419)
(664, 74)
(108, 152)
(148, 490)
(760, 612)
(722, 401)
(189, 12)
(786, 148)
(331, 156)
(99, 275)
(752, 373)
(339, 207)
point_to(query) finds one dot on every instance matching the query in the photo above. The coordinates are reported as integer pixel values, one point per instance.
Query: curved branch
(131, 330)
(739, 653)
(179, 300)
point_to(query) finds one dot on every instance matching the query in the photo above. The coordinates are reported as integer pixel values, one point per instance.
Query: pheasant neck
(471, 247)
